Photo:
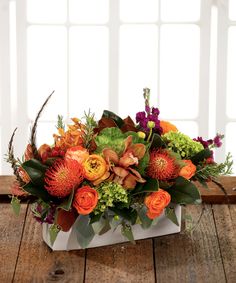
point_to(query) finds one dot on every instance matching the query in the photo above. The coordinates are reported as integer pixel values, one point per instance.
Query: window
(101, 54)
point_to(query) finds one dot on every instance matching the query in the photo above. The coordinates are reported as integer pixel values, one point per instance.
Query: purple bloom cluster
(151, 114)
(42, 214)
(216, 142)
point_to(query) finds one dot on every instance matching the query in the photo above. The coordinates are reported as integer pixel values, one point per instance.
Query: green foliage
(60, 123)
(129, 214)
(145, 221)
(66, 205)
(157, 142)
(170, 214)
(36, 171)
(90, 124)
(84, 231)
(109, 194)
(110, 138)
(184, 192)
(182, 144)
(151, 185)
(15, 204)
(108, 114)
(201, 156)
(53, 232)
(126, 231)
(212, 171)
(38, 191)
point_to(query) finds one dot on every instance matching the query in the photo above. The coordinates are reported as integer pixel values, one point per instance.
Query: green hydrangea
(182, 144)
(110, 193)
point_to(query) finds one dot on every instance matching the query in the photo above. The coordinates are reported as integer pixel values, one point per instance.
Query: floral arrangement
(99, 175)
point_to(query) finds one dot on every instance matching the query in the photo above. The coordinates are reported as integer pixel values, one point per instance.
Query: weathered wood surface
(212, 195)
(207, 254)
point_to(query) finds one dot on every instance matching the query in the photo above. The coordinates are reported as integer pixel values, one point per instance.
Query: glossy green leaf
(66, 205)
(151, 185)
(53, 232)
(39, 192)
(200, 156)
(145, 221)
(126, 231)
(184, 192)
(36, 171)
(157, 142)
(15, 204)
(84, 231)
(170, 214)
(113, 116)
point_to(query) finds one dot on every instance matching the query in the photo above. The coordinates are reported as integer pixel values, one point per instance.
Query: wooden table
(208, 254)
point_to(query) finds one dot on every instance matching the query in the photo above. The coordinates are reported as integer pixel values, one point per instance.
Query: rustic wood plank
(11, 228)
(191, 257)
(212, 195)
(226, 229)
(121, 263)
(37, 263)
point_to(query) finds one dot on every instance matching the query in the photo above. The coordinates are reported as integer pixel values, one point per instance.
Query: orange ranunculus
(77, 153)
(85, 200)
(188, 170)
(167, 127)
(95, 167)
(156, 202)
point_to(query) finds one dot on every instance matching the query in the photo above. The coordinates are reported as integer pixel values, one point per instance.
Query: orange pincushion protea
(63, 176)
(162, 166)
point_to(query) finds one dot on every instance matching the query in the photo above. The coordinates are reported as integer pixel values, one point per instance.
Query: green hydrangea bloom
(182, 144)
(110, 193)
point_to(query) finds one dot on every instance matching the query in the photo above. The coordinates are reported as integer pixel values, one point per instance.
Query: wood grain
(121, 263)
(191, 257)
(225, 220)
(37, 263)
(11, 228)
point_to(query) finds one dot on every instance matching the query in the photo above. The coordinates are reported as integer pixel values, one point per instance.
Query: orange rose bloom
(85, 200)
(167, 127)
(156, 202)
(188, 170)
(77, 153)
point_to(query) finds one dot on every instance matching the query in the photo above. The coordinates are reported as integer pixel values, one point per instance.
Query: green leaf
(126, 231)
(145, 221)
(84, 231)
(53, 232)
(157, 142)
(98, 225)
(39, 192)
(170, 214)
(15, 204)
(113, 116)
(129, 214)
(36, 171)
(151, 185)
(143, 163)
(106, 227)
(200, 156)
(66, 205)
(184, 192)
(94, 217)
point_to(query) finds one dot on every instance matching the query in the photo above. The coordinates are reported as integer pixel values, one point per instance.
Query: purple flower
(147, 109)
(217, 141)
(140, 116)
(155, 111)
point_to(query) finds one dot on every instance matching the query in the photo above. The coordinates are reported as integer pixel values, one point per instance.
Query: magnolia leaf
(200, 156)
(113, 116)
(157, 142)
(84, 231)
(170, 214)
(53, 232)
(15, 204)
(126, 231)
(39, 192)
(36, 171)
(151, 185)
(145, 221)
(184, 192)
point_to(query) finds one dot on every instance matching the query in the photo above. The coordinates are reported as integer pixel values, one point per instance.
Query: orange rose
(188, 170)
(156, 202)
(95, 167)
(167, 127)
(77, 153)
(85, 200)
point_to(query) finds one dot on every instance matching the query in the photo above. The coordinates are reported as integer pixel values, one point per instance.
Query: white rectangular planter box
(66, 241)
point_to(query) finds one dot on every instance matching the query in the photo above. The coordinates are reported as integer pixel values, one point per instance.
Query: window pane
(46, 11)
(45, 133)
(180, 10)
(179, 71)
(47, 70)
(89, 11)
(187, 127)
(88, 70)
(138, 66)
(230, 136)
(139, 10)
(232, 10)
(231, 82)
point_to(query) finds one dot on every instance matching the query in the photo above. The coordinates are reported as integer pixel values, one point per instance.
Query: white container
(66, 241)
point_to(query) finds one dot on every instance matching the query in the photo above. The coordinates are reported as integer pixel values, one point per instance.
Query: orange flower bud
(188, 170)
(167, 127)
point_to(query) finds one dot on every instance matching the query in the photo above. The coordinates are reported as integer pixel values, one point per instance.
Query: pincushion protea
(162, 166)
(63, 176)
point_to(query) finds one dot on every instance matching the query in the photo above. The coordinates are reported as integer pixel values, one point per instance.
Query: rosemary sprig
(33, 130)
(90, 124)
(60, 123)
